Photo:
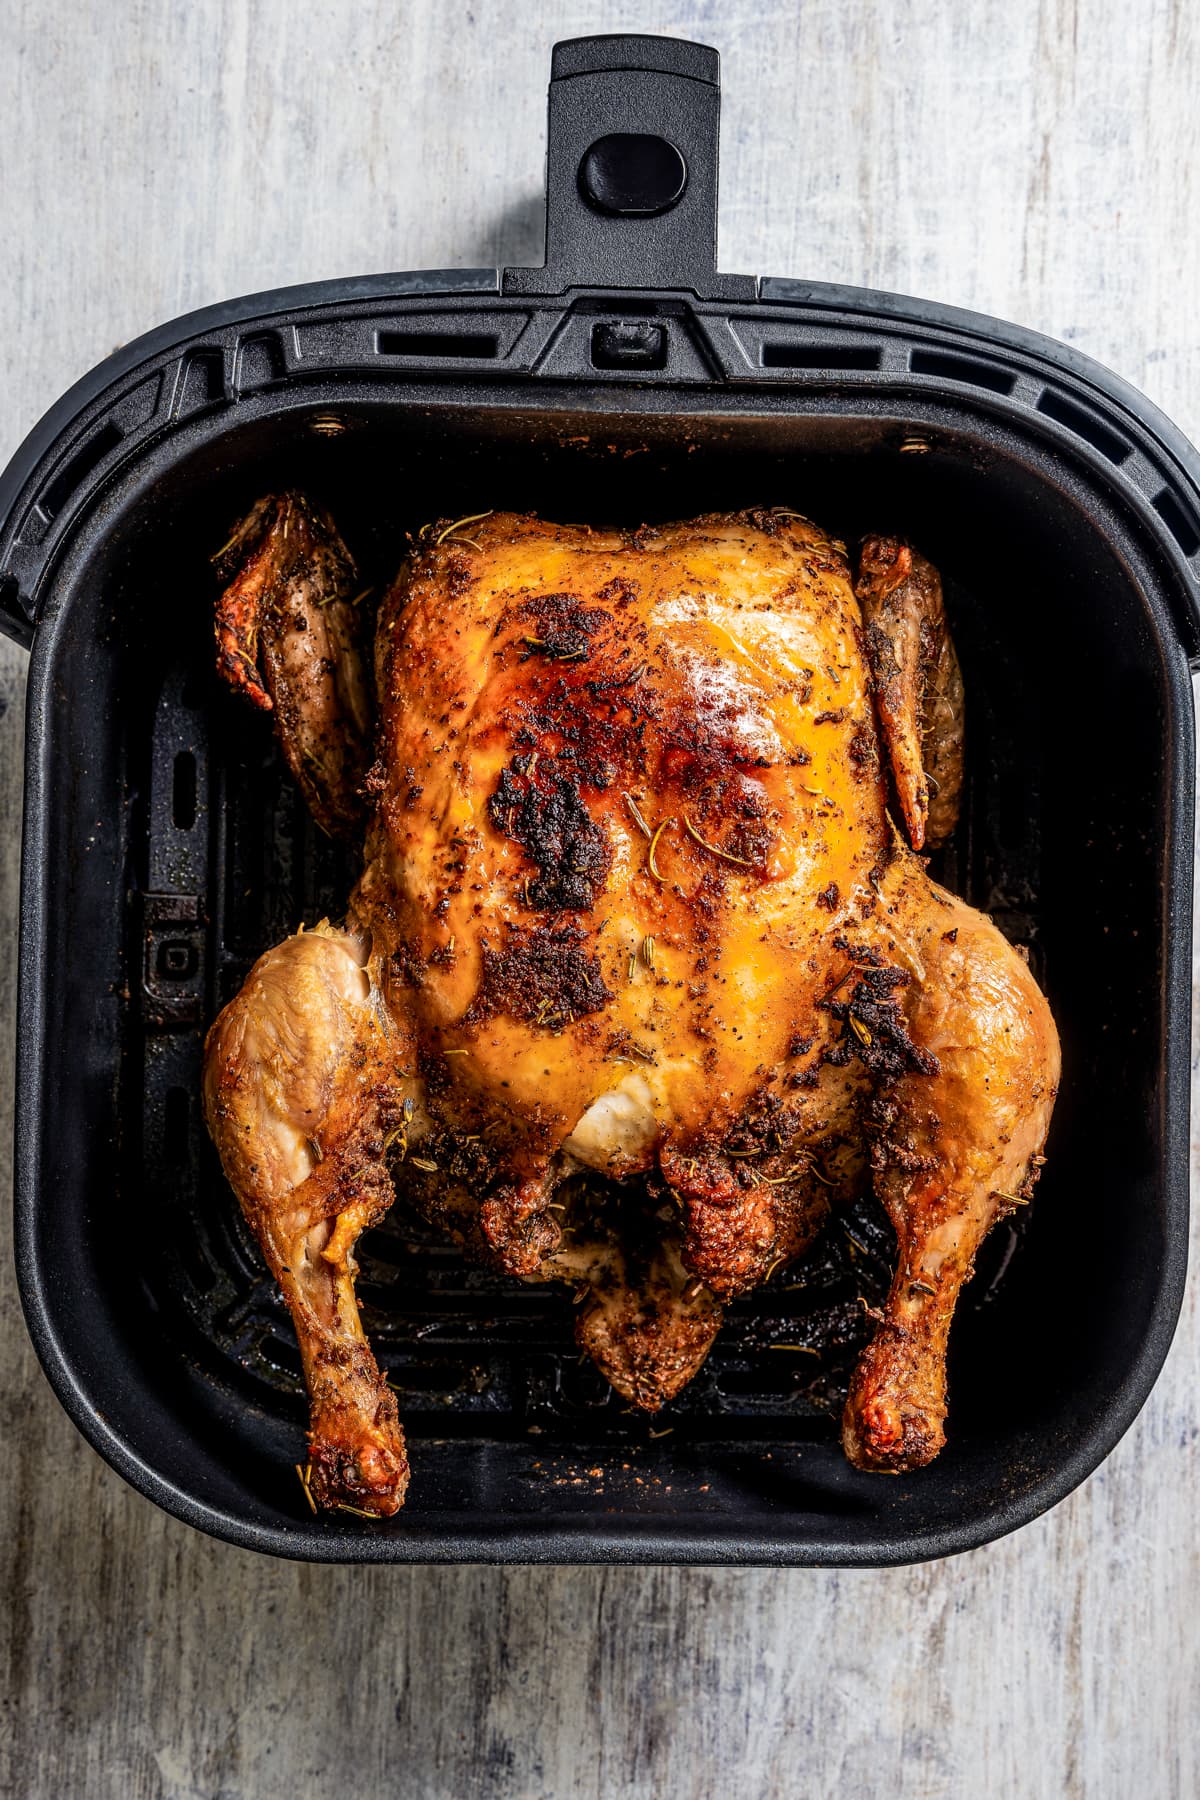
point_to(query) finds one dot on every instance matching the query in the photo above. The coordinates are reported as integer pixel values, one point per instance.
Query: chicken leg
(301, 1101)
(957, 1142)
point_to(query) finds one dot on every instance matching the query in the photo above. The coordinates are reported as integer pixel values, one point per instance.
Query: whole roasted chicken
(640, 895)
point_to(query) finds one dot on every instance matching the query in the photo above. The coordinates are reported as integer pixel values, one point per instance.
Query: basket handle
(631, 170)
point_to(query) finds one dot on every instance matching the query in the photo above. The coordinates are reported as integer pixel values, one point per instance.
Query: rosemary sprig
(653, 866)
(714, 849)
(467, 519)
(305, 1475)
(641, 823)
(806, 1164)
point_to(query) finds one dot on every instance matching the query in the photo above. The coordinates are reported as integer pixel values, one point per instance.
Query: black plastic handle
(631, 170)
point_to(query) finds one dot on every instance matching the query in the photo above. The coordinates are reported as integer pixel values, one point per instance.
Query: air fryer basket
(166, 847)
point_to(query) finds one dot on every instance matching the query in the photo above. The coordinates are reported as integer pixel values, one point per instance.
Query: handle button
(632, 174)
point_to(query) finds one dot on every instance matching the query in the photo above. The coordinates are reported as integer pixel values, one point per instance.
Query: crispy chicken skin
(632, 902)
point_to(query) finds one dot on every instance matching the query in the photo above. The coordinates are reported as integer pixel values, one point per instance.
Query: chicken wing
(289, 638)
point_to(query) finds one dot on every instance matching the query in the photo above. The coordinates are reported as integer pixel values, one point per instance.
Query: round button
(632, 173)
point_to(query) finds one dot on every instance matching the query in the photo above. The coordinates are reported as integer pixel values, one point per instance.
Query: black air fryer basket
(165, 847)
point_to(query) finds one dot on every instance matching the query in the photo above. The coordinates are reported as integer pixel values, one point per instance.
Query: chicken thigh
(632, 901)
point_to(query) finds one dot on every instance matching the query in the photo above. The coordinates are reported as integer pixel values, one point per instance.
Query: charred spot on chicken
(698, 738)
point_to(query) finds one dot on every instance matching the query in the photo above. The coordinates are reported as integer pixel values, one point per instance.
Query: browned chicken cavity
(632, 902)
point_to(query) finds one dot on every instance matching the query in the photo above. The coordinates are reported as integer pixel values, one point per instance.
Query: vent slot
(177, 1107)
(79, 468)
(819, 356)
(961, 368)
(183, 791)
(203, 381)
(479, 346)
(767, 1381)
(1091, 430)
(1179, 523)
(259, 363)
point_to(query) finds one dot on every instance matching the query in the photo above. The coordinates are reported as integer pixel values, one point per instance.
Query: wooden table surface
(1036, 161)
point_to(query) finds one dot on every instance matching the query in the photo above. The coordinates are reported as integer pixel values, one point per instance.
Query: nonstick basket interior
(178, 850)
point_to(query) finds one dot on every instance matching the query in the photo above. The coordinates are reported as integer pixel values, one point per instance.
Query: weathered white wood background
(1038, 161)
